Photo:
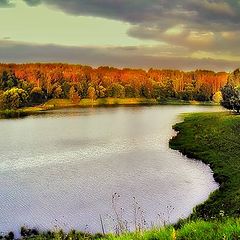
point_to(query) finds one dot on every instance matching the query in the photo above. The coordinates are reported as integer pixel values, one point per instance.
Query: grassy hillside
(214, 138)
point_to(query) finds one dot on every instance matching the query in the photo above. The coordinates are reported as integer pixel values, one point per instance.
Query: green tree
(102, 92)
(65, 88)
(145, 92)
(8, 80)
(118, 91)
(1, 99)
(3, 80)
(159, 92)
(36, 95)
(25, 85)
(204, 93)
(168, 88)
(231, 97)
(188, 92)
(131, 92)
(14, 98)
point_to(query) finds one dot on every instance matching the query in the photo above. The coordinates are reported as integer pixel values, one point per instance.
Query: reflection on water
(62, 168)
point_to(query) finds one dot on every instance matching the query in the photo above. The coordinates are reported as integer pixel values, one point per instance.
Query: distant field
(65, 103)
(99, 102)
(120, 101)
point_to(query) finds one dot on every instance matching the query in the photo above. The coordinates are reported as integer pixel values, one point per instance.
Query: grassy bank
(12, 113)
(66, 103)
(194, 230)
(61, 103)
(214, 138)
(23, 112)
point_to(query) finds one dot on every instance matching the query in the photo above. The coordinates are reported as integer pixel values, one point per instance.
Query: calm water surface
(61, 169)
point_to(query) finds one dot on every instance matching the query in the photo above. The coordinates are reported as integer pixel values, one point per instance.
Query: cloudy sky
(186, 34)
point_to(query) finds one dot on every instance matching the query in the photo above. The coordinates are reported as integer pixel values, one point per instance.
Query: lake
(62, 168)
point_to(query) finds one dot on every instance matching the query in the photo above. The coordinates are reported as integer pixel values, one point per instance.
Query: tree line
(30, 84)
(231, 92)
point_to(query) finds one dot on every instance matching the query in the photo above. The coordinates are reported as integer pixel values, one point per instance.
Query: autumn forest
(31, 84)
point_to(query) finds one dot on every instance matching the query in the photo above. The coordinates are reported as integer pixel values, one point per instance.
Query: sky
(185, 35)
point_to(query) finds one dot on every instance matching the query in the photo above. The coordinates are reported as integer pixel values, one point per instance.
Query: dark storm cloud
(163, 13)
(6, 3)
(137, 57)
(182, 28)
(204, 24)
(133, 11)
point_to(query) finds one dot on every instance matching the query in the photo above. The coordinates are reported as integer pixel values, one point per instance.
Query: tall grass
(227, 229)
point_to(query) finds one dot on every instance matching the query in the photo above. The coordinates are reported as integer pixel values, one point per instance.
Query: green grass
(214, 138)
(228, 229)
(11, 113)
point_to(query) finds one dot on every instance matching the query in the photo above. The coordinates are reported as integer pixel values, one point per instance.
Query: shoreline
(55, 104)
(199, 137)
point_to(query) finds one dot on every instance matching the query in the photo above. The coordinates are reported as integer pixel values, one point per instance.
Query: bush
(14, 98)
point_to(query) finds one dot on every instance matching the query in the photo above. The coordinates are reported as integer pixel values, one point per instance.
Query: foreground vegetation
(214, 138)
(228, 229)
